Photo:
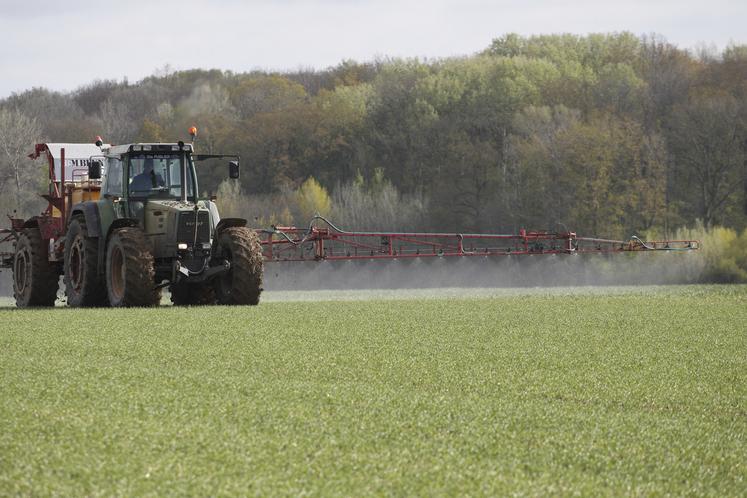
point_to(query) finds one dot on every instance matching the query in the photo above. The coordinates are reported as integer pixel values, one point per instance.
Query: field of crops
(633, 391)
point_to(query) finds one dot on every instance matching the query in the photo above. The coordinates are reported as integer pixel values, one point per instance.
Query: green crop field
(622, 391)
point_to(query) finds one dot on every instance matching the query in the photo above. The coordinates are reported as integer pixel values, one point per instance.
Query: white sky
(67, 43)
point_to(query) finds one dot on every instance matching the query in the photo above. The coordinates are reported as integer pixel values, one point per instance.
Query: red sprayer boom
(332, 243)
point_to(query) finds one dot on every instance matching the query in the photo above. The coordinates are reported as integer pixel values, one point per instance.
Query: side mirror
(94, 170)
(233, 169)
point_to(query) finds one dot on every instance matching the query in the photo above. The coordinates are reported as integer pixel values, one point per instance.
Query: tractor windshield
(159, 175)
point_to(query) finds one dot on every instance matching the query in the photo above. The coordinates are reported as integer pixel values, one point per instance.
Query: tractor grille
(186, 231)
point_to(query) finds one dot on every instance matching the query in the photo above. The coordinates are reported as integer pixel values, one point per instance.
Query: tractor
(128, 222)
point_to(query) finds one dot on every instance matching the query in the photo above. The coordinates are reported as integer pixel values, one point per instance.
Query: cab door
(112, 188)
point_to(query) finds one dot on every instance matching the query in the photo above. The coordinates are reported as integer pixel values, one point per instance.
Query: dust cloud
(495, 272)
(557, 270)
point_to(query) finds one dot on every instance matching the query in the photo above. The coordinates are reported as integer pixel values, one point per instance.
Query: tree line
(605, 134)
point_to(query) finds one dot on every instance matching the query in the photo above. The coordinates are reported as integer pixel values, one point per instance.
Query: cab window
(157, 175)
(112, 184)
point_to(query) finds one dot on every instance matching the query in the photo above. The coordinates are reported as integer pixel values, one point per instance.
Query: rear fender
(90, 211)
(223, 224)
(121, 223)
(229, 223)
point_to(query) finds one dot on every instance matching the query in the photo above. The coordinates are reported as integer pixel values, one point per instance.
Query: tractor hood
(158, 207)
(170, 223)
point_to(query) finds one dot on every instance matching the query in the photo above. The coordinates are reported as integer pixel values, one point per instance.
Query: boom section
(332, 243)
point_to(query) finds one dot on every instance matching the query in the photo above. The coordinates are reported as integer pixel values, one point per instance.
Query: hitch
(185, 275)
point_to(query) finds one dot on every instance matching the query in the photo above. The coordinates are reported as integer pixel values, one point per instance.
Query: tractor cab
(141, 173)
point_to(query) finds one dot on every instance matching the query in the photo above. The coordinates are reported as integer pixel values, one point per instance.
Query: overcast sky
(67, 43)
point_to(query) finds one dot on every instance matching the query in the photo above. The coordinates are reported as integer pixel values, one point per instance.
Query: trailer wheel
(192, 294)
(35, 279)
(83, 286)
(130, 273)
(243, 282)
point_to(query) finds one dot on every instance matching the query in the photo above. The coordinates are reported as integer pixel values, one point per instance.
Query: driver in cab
(148, 179)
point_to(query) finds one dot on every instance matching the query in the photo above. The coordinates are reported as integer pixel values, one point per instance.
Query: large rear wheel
(83, 286)
(35, 279)
(243, 283)
(130, 273)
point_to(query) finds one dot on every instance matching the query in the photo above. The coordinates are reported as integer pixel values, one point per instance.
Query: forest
(605, 134)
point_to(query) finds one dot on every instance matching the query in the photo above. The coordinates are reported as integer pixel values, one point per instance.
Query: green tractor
(132, 225)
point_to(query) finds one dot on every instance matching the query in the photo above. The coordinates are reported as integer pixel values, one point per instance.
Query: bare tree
(208, 99)
(377, 205)
(18, 134)
(709, 142)
(669, 73)
(117, 123)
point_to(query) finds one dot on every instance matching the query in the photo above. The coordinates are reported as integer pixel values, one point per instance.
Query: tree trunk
(17, 174)
(744, 173)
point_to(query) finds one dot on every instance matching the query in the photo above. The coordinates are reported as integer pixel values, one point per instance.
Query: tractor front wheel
(35, 279)
(82, 284)
(243, 283)
(130, 273)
